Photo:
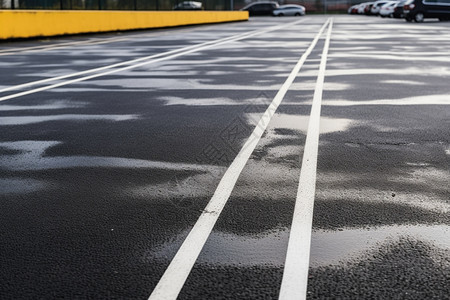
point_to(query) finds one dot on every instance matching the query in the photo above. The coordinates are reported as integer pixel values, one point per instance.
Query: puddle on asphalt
(25, 120)
(327, 247)
(230, 249)
(404, 82)
(31, 158)
(424, 174)
(91, 89)
(432, 71)
(332, 247)
(176, 84)
(300, 123)
(195, 186)
(204, 184)
(420, 100)
(328, 86)
(338, 186)
(285, 151)
(47, 106)
(437, 57)
(201, 102)
(20, 185)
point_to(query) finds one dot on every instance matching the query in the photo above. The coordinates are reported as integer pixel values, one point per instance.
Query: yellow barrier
(35, 23)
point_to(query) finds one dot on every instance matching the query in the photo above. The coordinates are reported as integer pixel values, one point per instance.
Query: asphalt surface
(102, 180)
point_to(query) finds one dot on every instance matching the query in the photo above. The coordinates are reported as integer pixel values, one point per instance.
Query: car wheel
(408, 19)
(297, 14)
(391, 15)
(419, 17)
(280, 15)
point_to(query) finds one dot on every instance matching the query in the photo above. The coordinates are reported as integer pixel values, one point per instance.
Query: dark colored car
(261, 8)
(418, 10)
(398, 10)
(353, 10)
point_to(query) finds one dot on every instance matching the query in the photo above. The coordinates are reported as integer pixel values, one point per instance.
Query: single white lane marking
(12, 51)
(295, 275)
(147, 60)
(176, 274)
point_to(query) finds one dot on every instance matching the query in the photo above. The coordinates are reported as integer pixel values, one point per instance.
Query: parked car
(189, 5)
(387, 10)
(353, 9)
(368, 8)
(364, 8)
(418, 10)
(265, 8)
(289, 10)
(375, 10)
(398, 9)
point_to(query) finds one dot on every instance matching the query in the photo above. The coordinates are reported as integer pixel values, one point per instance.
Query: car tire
(408, 19)
(418, 17)
(297, 14)
(280, 15)
(391, 16)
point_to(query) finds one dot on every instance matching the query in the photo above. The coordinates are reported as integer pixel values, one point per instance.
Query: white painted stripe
(12, 51)
(176, 274)
(94, 41)
(147, 60)
(20, 86)
(295, 275)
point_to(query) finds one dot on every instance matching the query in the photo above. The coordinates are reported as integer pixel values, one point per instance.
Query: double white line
(297, 261)
(132, 64)
(296, 270)
(295, 275)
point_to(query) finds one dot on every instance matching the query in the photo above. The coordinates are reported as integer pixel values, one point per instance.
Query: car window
(257, 7)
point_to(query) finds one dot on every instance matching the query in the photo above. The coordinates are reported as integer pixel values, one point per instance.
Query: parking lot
(168, 163)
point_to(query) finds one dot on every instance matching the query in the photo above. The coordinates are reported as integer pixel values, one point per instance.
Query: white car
(289, 10)
(375, 10)
(189, 5)
(387, 10)
(362, 9)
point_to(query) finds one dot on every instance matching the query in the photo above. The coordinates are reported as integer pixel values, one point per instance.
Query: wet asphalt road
(101, 180)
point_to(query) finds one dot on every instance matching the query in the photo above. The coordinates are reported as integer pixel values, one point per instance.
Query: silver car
(375, 10)
(289, 10)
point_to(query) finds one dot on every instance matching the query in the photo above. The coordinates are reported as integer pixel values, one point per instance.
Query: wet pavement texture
(102, 180)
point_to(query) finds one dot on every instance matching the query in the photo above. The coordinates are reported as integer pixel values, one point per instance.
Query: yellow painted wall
(33, 23)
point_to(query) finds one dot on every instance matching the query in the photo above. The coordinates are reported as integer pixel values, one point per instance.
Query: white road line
(295, 275)
(95, 41)
(12, 51)
(176, 274)
(105, 67)
(148, 60)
